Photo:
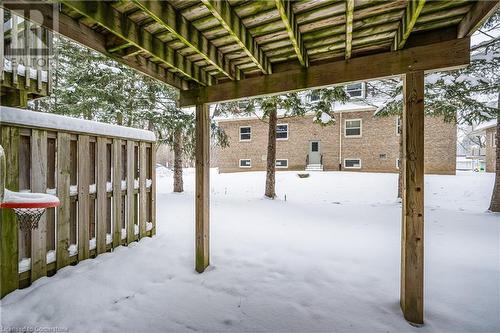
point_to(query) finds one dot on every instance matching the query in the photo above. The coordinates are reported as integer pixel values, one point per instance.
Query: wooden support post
(202, 201)
(142, 189)
(63, 211)
(153, 187)
(412, 240)
(83, 196)
(39, 185)
(101, 195)
(117, 192)
(9, 227)
(130, 192)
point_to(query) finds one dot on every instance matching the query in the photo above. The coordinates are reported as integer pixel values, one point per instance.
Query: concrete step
(314, 167)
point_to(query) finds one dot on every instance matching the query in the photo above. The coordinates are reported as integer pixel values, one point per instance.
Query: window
(398, 126)
(246, 163)
(493, 140)
(352, 163)
(282, 131)
(314, 97)
(382, 156)
(314, 146)
(353, 127)
(356, 90)
(245, 133)
(398, 163)
(282, 164)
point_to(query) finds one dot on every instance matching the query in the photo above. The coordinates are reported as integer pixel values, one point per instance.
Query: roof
(486, 125)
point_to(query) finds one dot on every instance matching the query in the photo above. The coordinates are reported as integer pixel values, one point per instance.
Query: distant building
(488, 129)
(357, 141)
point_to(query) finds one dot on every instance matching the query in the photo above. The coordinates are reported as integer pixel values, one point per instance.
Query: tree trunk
(178, 183)
(400, 177)
(271, 155)
(495, 197)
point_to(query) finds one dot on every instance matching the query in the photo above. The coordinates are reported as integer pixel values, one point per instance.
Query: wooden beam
(439, 56)
(410, 16)
(412, 240)
(225, 14)
(202, 201)
(122, 26)
(473, 20)
(73, 29)
(83, 196)
(292, 28)
(165, 14)
(349, 16)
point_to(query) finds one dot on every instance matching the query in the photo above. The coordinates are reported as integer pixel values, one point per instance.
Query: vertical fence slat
(39, 185)
(130, 191)
(142, 189)
(117, 192)
(27, 46)
(83, 196)
(63, 211)
(1, 44)
(13, 45)
(101, 195)
(8, 224)
(153, 187)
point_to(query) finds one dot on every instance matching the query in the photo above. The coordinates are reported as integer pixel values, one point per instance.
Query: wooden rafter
(410, 16)
(292, 28)
(120, 25)
(224, 13)
(166, 15)
(476, 17)
(444, 55)
(349, 16)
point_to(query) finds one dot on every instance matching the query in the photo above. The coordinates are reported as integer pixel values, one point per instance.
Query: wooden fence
(104, 176)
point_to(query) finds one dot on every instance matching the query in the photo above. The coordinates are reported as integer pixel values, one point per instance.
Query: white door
(314, 152)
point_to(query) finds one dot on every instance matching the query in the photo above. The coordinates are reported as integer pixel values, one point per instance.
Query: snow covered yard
(325, 260)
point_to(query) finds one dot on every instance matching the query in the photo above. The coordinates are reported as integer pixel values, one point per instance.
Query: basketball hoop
(28, 207)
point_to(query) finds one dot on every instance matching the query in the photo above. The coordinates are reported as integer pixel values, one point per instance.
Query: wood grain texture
(9, 227)
(444, 55)
(83, 196)
(142, 189)
(63, 211)
(130, 192)
(476, 17)
(412, 240)
(101, 195)
(202, 184)
(39, 185)
(117, 192)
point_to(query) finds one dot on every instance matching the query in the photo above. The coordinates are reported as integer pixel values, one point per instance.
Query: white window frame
(399, 128)
(360, 128)
(362, 90)
(245, 166)
(239, 131)
(281, 159)
(397, 163)
(287, 132)
(353, 158)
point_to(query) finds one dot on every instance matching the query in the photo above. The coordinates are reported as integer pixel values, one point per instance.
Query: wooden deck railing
(25, 53)
(104, 176)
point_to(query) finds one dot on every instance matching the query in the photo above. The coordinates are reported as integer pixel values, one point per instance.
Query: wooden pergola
(222, 50)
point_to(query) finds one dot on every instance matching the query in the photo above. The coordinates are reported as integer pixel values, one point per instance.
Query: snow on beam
(50, 121)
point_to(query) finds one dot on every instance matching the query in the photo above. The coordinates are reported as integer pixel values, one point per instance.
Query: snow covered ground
(325, 260)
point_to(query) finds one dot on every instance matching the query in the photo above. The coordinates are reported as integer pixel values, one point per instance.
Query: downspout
(340, 140)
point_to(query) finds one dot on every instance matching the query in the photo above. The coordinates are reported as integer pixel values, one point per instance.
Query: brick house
(357, 141)
(488, 129)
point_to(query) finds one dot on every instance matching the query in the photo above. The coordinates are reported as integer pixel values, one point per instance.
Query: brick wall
(490, 150)
(378, 146)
